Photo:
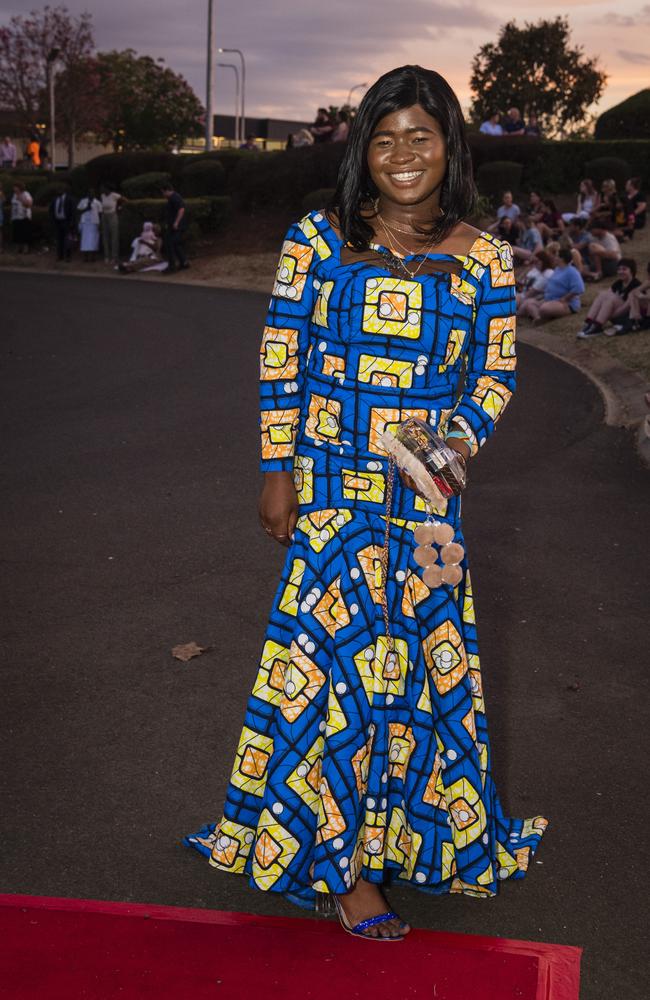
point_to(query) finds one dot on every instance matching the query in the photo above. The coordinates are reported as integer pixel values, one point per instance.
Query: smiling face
(407, 158)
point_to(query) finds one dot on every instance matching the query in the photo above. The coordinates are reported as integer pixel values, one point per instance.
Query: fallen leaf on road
(188, 650)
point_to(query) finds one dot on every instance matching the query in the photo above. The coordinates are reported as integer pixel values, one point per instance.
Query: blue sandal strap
(381, 919)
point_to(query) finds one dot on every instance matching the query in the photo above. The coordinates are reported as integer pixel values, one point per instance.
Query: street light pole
(242, 120)
(52, 57)
(358, 86)
(236, 69)
(210, 78)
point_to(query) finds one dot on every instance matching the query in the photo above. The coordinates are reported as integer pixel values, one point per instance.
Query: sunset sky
(302, 54)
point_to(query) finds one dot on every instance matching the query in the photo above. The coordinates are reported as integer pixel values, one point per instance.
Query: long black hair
(402, 88)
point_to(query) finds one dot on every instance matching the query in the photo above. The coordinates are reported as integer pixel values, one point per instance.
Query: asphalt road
(129, 525)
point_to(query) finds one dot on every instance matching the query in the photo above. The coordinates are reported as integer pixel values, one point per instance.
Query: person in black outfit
(176, 217)
(63, 210)
(635, 207)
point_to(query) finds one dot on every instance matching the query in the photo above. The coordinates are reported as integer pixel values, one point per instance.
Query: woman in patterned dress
(358, 766)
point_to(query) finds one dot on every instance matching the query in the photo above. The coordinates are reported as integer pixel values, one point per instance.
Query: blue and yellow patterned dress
(352, 763)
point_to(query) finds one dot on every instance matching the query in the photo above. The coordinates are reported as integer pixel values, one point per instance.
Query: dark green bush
(284, 178)
(628, 120)
(497, 176)
(76, 179)
(604, 167)
(317, 199)
(50, 191)
(113, 168)
(203, 177)
(228, 158)
(41, 225)
(145, 185)
(33, 182)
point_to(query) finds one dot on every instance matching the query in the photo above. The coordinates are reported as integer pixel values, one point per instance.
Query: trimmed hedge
(114, 168)
(284, 178)
(497, 176)
(77, 180)
(628, 120)
(145, 185)
(604, 167)
(203, 177)
(33, 182)
(317, 199)
(50, 191)
(228, 158)
(557, 167)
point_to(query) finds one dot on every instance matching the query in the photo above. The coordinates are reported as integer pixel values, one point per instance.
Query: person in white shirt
(111, 204)
(534, 281)
(90, 211)
(8, 154)
(491, 125)
(21, 218)
(506, 210)
(604, 252)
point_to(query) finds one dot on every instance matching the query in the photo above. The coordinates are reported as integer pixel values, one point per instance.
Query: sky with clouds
(303, 53)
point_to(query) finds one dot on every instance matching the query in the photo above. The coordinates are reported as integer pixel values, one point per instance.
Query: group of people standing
(556, 253)
(95, 220)
(93, 224)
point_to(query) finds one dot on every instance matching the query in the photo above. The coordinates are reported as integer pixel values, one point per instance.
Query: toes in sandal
(359, 929)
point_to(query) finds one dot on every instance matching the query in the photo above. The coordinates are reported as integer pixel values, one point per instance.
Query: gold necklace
(409, 272)
(397, 229)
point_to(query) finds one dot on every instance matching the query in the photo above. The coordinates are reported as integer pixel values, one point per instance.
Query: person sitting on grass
(611, 204)
(635, 207)
(534, 281)
(587, 203)
(611, 303)
(146, 252)
(578, 232)
(549, 222)
(561, 295)
(529, 240)
(508, 230)
(638, 317)
(508, 209)
(604, 251)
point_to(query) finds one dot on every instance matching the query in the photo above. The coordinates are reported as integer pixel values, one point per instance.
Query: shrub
(205, 215)
(33, 182)
(228, 158)
(77, 180)
(317, 199)
(41, 225)
(628, 120)
(145, 185)
(497, 176)
(114, 168)
(608, 166)
(285, 177)
(203, 177)
(50, 191)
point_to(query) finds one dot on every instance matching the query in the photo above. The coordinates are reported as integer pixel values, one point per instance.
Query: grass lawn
(632, 350)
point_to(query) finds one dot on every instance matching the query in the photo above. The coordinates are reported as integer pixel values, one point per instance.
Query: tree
(535, 69)
(148, 106)
(29, 47)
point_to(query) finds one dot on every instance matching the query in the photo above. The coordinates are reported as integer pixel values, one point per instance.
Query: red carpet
(65, 949)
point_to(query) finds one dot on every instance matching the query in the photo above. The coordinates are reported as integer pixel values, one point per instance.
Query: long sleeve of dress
(490, 357)
(283, 352)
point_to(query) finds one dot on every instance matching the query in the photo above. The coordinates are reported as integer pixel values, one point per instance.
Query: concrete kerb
(623, 390)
